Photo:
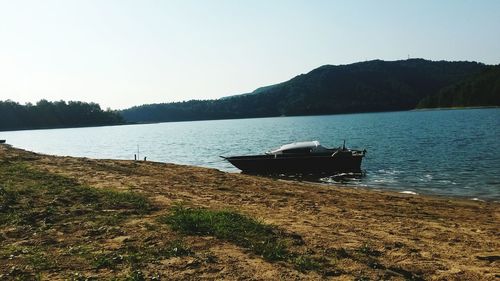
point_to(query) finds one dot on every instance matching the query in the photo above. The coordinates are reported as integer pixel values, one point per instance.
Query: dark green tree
(46, 114)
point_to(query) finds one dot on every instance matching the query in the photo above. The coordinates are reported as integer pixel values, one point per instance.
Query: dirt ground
(364, 234)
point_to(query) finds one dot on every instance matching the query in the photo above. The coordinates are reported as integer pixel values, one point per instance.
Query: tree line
(46, 114)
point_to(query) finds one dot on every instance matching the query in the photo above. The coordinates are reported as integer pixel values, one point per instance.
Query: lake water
(446, 152)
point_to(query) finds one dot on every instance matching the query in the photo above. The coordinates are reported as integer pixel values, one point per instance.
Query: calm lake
(446, 152)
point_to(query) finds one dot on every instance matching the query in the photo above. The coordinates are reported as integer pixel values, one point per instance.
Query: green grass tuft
(305, 263)
(262, 239)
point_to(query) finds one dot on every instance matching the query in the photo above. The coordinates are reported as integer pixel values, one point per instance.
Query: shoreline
(332, 232)
(373, 188)
(370, 187)
(222, 119)
(456, 108)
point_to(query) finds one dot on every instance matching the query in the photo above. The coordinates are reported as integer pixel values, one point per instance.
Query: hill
(360, 87)
(482, 89)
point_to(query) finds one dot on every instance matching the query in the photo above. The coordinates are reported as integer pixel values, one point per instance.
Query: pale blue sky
(123, 53)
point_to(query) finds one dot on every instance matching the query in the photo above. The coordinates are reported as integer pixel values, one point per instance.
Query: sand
(364, 234)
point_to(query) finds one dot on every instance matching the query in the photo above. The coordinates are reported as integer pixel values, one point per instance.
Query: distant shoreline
(455, 108)
(157, 122)
(63, 127)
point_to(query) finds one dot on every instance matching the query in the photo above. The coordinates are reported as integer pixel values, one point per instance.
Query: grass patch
(31, 197)
(135, 256)
(305, 263)
(39, 207)
(262, 239)
(110, 260)
(136, 275)
(40, 261)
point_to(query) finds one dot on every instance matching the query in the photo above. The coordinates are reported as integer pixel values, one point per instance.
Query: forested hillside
(360, 87)
(45, 114)
(482, 89)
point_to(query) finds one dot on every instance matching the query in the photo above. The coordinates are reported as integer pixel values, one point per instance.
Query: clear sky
(121, 53)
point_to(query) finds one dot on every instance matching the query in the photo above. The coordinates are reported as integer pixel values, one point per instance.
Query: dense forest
(482, 89)
(45, 114)
(360, 87)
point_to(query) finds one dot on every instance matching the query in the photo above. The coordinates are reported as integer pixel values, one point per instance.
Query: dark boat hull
(269, 164)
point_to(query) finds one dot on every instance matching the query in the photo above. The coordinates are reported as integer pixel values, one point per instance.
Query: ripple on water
(447, 152)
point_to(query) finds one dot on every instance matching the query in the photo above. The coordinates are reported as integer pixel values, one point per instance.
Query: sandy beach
(351, 233)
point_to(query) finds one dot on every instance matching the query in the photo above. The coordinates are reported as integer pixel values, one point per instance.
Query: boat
(299, 158)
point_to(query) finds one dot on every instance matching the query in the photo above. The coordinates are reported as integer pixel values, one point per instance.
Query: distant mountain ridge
(330, 89)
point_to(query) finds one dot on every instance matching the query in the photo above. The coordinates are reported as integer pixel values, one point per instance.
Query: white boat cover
(314, 146)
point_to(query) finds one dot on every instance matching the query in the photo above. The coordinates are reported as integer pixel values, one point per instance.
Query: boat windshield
(296, 150)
